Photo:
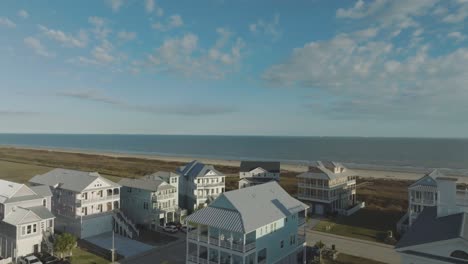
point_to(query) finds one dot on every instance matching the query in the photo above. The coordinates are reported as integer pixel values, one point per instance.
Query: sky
(372, 68)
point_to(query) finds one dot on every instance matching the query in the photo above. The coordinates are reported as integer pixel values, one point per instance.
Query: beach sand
(365, 173)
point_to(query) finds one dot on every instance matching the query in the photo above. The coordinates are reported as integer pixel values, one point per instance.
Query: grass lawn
(348, 259)
(369, 224)
(84, 257)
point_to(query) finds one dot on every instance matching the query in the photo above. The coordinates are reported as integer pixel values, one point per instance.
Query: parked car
(176, 224)
(184, 229)
(46, 258)
(170, 229)
(30, 260)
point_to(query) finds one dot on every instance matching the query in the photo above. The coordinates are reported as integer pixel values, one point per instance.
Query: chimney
(447, 196)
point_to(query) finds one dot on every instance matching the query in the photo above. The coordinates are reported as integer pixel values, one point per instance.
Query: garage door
(319, 209)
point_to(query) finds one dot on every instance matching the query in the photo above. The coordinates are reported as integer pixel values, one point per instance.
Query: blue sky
(309, 68)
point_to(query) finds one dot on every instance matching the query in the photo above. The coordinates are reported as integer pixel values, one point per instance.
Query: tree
(64, 243)
(320, 245)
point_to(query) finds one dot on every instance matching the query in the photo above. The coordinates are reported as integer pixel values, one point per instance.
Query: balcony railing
(163, 197)
(422, 201)
(91, 200)
(239, 247)
(192, 259)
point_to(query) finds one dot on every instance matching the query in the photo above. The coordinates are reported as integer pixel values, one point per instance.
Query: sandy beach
(367, 173)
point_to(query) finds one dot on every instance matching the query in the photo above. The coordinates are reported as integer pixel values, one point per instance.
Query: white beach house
(85, 203)
(440, 233)
(258, 172)
(327, 187)
(26, 222)
(199, 184)
(262, 224)
(151, 201)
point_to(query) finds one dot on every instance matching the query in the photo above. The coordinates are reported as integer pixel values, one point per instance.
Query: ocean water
(405, 153)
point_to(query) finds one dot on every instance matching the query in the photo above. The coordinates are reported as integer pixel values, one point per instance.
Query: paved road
(356, 247)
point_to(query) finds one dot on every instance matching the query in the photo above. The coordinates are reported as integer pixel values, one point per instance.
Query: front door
(36, 249)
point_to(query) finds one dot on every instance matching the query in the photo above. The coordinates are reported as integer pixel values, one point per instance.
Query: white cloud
(459, 15)
(23, 13)
(100, 30)
(126, 35)
(399, 14)
(184, 56)
(4, 21)
(68, 40)
(173, 21)
(115, 4)
(370, 79)
(456, 35)
(367, 33)
(270, 28)
(36, 45)
(151, 6)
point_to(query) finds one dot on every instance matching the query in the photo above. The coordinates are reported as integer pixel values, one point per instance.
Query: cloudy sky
(310, 68)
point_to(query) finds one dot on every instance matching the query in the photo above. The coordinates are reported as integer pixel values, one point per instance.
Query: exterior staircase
(48, 241)
(124, 226)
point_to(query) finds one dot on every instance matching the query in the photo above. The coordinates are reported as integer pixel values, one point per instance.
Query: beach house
(26, 222)
(440, 233)
(151, 201)
(85, 203)
(260, 224)
(327, 187)
(258, 172)
(199, 184)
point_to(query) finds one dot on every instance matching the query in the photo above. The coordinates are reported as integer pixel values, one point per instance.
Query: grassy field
(83, 257)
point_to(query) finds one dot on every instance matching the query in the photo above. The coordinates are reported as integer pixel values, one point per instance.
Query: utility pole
(113, 247)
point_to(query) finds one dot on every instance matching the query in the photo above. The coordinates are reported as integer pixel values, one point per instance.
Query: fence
(356, 208)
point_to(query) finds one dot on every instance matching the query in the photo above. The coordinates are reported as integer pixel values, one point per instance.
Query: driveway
(123, 245)
(356, 247)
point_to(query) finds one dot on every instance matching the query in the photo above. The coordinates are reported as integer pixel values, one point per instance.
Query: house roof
(256, 180)
(72, 180)
(197, 169)
(144, 184)
(428, 179)
(8, 189)
(42, 190)
(257, 206)
(325, 170)
(218, 217)
(20, 215)
(429, 228)
(270, 166)
(435, 257)
(163, 175)
(10, 192)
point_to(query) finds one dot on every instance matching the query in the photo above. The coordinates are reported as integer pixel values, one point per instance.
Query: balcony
(163, 197)
(423, 201)
(92, 200)
(211, 184)
(235, 246)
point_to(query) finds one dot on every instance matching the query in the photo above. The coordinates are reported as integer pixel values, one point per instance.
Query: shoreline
(402, 173)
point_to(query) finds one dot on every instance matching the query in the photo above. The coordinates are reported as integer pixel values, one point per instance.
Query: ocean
(395, 153)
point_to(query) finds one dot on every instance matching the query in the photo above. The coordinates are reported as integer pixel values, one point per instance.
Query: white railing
(192, 235)
(98, 199)
(163, 197)
(423, 201)
(214, 184)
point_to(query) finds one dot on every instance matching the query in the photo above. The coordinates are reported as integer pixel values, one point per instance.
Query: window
(28, 230)
(44, 203)
(282, 243)
(34, 228)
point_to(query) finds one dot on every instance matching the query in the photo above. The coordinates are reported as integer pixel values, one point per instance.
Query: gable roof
(429, 228)
(256, 206)
(11, 192)
(270, 166)
(72, 180)
(144, 184)
(197, 169)
(20, 215)
(42, 190)
(326, 170)
(161, 175)
(428, 179)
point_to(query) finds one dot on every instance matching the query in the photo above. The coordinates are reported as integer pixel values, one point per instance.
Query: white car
(30, 260)
(170, 229)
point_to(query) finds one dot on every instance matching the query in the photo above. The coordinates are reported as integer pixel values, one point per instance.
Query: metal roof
(219, 218)
(20, 215)
(42, 212)
(428, 179)
(162, 175)
(270, 166)
(325, 170)
(42, 190)
(144, 184)
(197, 169)
(8, 188)
(257, 206)
(72, 180)
(429, 228)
